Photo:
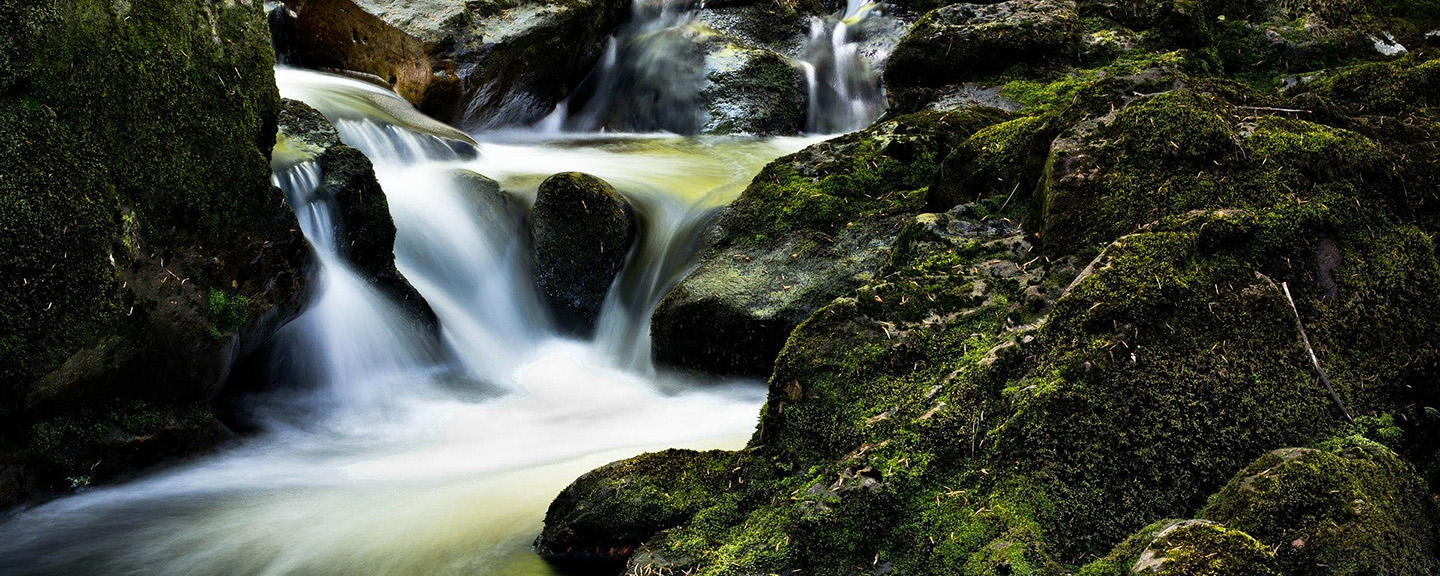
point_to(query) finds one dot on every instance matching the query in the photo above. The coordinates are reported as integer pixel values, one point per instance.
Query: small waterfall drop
(648, 79)
(408, 454)
(842, 85)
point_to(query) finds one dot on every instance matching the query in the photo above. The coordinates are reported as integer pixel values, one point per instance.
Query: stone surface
(144, 247)
(811, 227)
(581, 231)
(961, 42)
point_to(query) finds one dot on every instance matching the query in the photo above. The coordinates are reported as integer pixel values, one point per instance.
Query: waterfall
(400, 452)
(842, 86)
(356, 350)
(648, 79)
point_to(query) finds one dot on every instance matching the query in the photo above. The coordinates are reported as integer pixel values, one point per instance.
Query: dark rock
(365, 231)
(811, 227)
(481, 63)
(753, 91)
(607, 513)
(962, 42)
(1353, 508)
(581, 230)
(145, 249)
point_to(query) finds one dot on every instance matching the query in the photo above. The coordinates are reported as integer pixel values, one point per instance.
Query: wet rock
(1352, 508)
(752, 91)
(581, 231)
(961, 42)
(811, 227)
(480, 63)
(607, 513)
(365, 231)
(145, 249)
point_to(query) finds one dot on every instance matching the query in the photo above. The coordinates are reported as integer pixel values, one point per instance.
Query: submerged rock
(480, 63)
(581, 231)
(144, 248)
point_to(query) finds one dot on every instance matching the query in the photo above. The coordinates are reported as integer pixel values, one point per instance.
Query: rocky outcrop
(1027, 378)
(144, 248)
(811, 227)
(581, 231)
(477, 63)
(752, 91)
(962, 42)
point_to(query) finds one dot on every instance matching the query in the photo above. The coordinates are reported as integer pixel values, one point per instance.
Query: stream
(410, 451)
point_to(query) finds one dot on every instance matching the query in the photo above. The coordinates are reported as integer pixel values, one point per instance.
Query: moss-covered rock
(962, 42)
(581, 231)
(810, 227)
(610, 511)
(1352, 507)
(1187, 548)
(752, 91)
(134, 190)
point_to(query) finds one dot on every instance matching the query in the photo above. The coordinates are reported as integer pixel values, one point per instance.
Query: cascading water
(648, 78)
(408, 453)
(843, 87)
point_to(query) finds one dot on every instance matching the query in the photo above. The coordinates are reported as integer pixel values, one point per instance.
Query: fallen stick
(1305, 339)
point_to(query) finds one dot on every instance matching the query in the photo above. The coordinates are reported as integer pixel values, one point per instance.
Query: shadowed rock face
(581, 230)
(144, 248)
(480, 63)
(960, 42)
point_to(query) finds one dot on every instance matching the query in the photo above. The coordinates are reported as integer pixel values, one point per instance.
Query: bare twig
(1305, 339)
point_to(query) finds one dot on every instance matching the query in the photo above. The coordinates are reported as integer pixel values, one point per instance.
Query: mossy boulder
(963, 42)
(145, 249)
(581, 231)
(607, 513)
(1351, 507)
(476, 63)
(1187, 548)
(812, 226)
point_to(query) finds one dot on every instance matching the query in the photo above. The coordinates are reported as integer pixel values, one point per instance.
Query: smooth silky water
(410, 452)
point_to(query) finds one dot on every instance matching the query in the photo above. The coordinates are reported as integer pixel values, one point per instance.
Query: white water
(842, 85)
(408, 453)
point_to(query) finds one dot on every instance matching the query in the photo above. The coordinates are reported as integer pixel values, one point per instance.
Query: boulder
(145, 249)
(962, 42)
(752, 91)
(607, 513)
(1184, 548)
(811, 227)
(581, 231)
(1353, 507)
(479, 63)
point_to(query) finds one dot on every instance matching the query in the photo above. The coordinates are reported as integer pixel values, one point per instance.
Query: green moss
(1352, 507)
(1408, 83)
(97, 444)
(882, 172)
(231, 311)
(1187, 548)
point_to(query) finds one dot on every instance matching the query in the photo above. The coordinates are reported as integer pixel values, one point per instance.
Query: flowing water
(652, 75)
(411, 451)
